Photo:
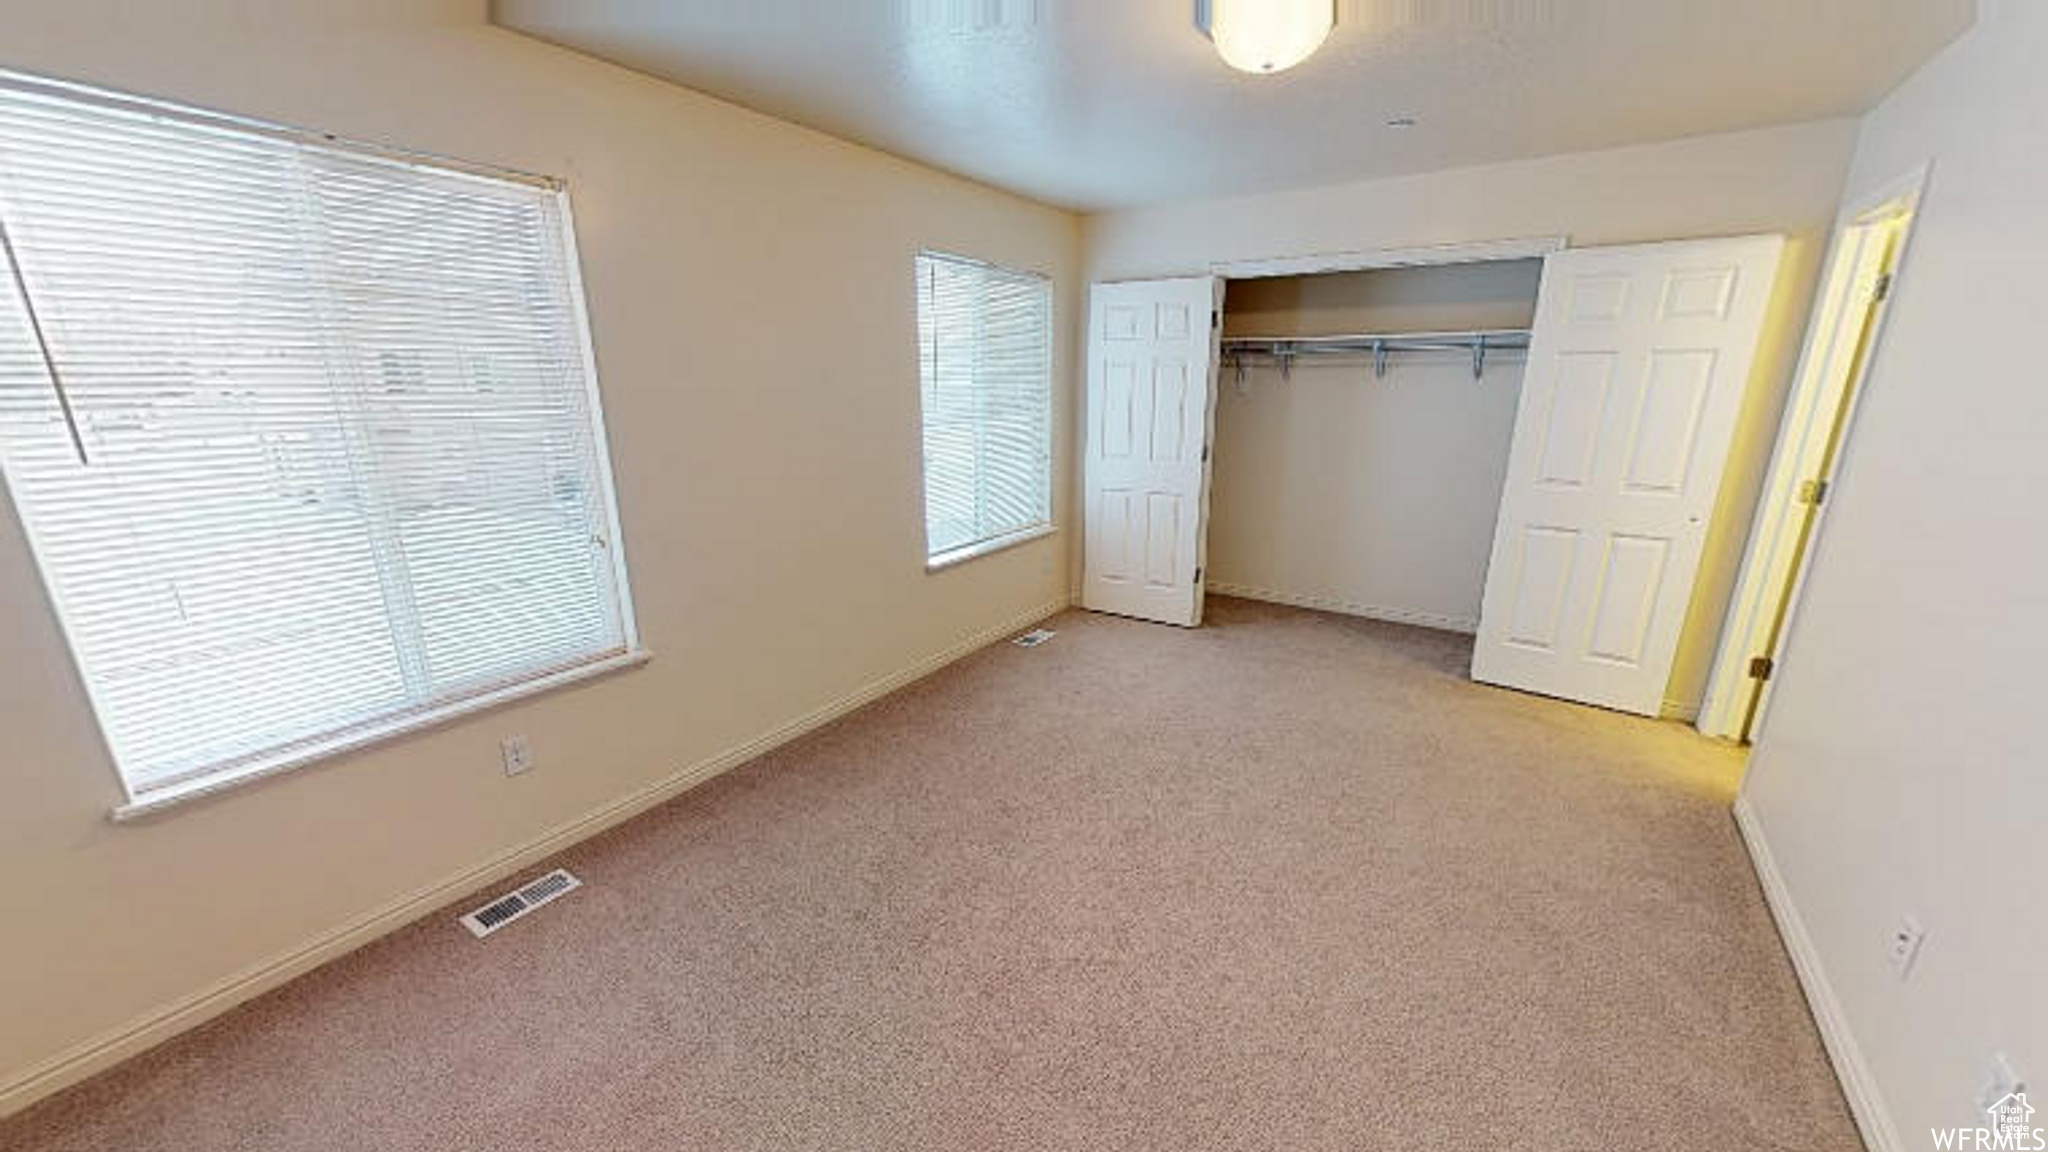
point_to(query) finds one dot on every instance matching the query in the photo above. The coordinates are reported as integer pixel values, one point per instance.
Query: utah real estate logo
(2011, 1128)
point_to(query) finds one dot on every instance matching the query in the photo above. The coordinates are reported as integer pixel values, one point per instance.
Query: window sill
(946, 560)
(199, 787)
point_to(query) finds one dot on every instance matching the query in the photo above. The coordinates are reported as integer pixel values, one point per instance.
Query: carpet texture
(1288, 881)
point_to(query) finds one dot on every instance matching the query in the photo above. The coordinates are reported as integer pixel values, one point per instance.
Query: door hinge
(1198, 573)
(1813, 491)
(1882, 288)
(1205, 453)
(1760, 667)
(1215, 318)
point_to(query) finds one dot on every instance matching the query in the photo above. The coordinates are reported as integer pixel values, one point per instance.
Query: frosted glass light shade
(1269, 35)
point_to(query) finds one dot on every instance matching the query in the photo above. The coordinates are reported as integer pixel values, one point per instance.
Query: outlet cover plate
(517, 753)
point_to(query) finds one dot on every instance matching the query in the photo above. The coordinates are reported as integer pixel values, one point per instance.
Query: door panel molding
(1638, 363)
(1152, 357)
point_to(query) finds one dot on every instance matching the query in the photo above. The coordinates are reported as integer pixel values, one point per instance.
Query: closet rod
(1285, 348)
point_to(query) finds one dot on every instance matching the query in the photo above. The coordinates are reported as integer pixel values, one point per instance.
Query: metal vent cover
(518, 902)
(1034, 638)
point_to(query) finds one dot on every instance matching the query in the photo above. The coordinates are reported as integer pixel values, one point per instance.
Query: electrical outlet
(517, 753)
(2000, 1082)
(1902, 949)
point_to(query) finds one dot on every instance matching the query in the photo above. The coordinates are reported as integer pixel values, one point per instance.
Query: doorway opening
(1841, 342)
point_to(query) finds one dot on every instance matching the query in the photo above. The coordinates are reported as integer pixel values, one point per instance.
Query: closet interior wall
(1373, 496)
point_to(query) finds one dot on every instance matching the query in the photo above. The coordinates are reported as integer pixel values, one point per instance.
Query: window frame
(234, 773)
(953, 557)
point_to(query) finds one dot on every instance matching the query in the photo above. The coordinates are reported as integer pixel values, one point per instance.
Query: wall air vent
(518, 902)
(1034, 638)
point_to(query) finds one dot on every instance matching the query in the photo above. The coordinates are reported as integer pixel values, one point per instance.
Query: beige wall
(750, 292)
(1382, 498)
(1899, 769)
(1773, 180)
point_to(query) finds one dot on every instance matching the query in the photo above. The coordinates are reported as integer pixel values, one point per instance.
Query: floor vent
(512, 905)
(1034, 638)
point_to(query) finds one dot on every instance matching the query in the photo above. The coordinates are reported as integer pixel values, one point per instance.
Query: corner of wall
(1866, 1100)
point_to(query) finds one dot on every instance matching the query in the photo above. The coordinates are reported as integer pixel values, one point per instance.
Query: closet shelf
(1379, 345)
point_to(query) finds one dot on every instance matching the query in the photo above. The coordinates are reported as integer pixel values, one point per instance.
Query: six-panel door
(1151, 399)
(1636, 371)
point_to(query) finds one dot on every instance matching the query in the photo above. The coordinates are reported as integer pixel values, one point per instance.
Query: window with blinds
(985, 353)
(304, 435)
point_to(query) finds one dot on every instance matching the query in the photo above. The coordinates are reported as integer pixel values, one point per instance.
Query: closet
(1362, 426)
(1527, 449)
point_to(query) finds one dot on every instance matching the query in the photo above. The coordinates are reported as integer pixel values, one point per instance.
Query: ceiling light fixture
(1263, 36)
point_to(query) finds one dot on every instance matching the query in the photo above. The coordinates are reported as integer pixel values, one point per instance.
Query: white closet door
(1152, 351)
(1636, 371)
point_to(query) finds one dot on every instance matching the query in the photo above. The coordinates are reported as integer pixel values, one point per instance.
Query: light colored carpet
(1285, 882)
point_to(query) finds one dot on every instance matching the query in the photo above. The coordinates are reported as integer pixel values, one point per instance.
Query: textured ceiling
(1106, 103)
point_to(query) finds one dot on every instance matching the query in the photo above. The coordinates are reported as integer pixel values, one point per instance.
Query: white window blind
(985, 340)
(343, 469)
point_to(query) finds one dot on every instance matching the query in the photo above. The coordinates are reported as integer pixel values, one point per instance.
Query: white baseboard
(157, 1026)
(1866, 1102)
(1346, 607)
